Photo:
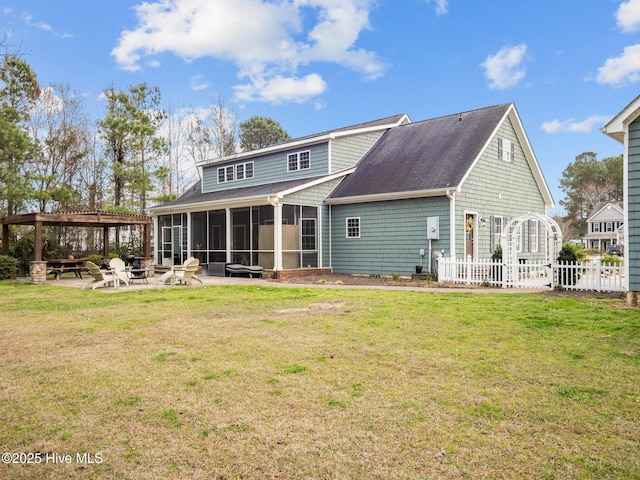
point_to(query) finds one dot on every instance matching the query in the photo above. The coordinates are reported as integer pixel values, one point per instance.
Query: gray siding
(392, 234)
(347, 151)
(632, 253)
(269, 168)
(498, 188)
(315, 196)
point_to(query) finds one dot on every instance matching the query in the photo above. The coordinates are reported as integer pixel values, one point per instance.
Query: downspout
(277, 234)
(451, 194)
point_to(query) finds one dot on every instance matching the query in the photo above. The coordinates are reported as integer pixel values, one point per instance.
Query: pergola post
(37, 242)
(105, 241)
(5, 239)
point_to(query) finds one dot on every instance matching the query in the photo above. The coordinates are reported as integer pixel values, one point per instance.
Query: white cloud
(441, 6)
(198, 83)
(267, 39)
(26, 18)
(621, 70)
(278, 89)
(628, 16)
(575, 126)
(505, 69)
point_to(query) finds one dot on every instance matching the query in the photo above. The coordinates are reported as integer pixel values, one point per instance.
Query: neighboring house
(625, 128)
(367, 199)
(605, 226)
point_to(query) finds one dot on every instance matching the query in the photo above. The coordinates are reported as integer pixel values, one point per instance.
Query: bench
(252, 271)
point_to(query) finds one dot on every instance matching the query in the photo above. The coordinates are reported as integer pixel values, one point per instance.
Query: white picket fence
(594, 275)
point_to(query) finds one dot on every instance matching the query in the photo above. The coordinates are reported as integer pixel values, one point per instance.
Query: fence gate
(536, 274)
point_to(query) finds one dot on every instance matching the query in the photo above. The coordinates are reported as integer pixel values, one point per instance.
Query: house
(375, 198)
(625, 128)
(605, 226)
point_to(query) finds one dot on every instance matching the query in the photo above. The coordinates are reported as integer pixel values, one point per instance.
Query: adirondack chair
(118, 267)
(177, 271)
(185, 273)
(101, 278)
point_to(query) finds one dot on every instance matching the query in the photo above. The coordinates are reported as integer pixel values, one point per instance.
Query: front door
(469, 234)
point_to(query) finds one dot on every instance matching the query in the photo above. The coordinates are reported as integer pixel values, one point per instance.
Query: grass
(260, 383)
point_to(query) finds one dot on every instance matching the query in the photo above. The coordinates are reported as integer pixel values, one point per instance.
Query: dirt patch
(315, 307)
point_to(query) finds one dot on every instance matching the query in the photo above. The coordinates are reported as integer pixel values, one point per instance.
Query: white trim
(381, 197)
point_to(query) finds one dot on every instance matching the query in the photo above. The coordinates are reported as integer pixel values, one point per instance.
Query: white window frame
(235, 172)
(534, 236)
(518, 233)
(609, 227)
(498, 225)
(506, 150)
(299, 161)
(595, 227)
(352, 230)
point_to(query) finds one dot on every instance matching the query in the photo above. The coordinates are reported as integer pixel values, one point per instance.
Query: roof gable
(607, 211)
(423, 156)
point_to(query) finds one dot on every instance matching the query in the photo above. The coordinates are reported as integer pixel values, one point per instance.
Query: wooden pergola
(75, 219)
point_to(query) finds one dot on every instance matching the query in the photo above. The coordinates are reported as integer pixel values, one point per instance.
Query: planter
(418, 268)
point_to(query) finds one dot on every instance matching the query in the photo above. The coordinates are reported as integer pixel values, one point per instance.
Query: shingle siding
(270, 168)
(497, 187)
(392, 234)
(347, 151)
(632, 254)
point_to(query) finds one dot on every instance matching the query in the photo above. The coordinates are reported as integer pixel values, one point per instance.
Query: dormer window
(232, 173)
(298, 161)
(506, 150)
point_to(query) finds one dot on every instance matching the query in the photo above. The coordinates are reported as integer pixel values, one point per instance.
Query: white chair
(178, 270)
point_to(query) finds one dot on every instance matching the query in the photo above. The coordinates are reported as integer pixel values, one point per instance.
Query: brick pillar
(38, 272)
(148, 263)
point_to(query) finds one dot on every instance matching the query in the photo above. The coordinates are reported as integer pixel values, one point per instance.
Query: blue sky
(315, 65)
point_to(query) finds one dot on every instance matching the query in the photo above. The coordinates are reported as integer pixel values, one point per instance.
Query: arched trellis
(508, 240)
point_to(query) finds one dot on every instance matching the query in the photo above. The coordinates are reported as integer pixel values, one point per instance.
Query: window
(595, 228)
(506, 150)
(496, 230)
(298, 161)
(240, 171)
(229, 176)
(518, 233)
(534, 242)
(609, 227)
(353, 227)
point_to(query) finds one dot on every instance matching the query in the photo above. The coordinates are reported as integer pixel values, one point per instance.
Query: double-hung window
(298, 161)
(534, 237)
(496, 230)
(239, 171)
(353, 227)
(506, 150)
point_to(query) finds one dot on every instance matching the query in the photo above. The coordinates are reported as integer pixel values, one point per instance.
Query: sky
(569, 66)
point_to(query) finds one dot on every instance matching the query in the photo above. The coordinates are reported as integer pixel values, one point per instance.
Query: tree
(19, 90)
(587, 182)
(130, 129)
(260, 132)
(60, 130)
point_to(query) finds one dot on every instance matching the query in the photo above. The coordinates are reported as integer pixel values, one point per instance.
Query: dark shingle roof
(428, 155)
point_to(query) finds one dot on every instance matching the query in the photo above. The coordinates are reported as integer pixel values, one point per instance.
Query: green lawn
(290, 383)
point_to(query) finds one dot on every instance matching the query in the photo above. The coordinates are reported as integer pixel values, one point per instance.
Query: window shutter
(530, 235)
(500, 149)
(513, 150)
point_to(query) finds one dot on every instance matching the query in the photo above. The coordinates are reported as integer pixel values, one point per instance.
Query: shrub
(568, 275)
(611, 259)
(8, 267)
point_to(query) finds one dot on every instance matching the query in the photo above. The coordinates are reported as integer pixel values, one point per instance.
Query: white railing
(533, 274)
